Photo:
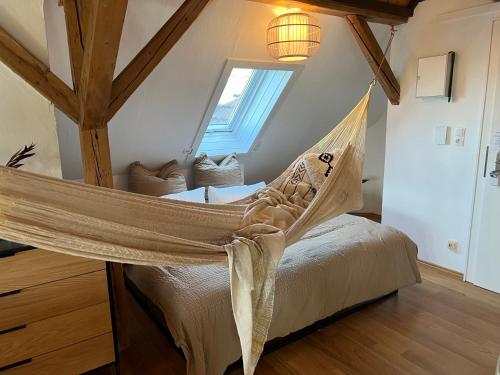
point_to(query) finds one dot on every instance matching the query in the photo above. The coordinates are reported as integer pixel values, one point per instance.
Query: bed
(337, 265)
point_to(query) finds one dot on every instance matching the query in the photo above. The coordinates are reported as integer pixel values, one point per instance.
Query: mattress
(341, 263)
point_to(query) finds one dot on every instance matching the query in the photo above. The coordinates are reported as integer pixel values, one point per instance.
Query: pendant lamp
(293, 36)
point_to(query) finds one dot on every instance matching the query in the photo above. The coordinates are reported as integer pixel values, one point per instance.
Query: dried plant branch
(24, 153)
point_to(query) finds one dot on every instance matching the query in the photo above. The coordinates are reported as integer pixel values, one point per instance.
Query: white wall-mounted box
(434, 76)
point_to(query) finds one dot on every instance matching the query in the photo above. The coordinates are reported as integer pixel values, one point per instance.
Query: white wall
(25, 116)
(428, 189)
(162, 117)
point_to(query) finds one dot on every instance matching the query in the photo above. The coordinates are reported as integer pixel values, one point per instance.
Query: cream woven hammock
(249, 236)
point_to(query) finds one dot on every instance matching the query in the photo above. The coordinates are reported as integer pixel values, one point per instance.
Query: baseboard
(452, 273)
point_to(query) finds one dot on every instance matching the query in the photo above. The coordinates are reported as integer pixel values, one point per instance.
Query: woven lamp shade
(293, 37)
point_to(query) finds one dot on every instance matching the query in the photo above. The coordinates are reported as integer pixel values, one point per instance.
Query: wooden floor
(442, 326)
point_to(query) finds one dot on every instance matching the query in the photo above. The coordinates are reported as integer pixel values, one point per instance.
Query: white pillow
(233, 193)
(196, 195)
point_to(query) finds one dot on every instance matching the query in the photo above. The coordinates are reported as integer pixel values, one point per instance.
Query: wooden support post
(96, 157)
(99, 60)
(375, 56)
(101, 26)
(96, 160)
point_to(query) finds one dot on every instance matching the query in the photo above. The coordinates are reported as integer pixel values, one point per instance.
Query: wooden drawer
(47, 300)
(34, 267)
(53, 333)
(71, 360)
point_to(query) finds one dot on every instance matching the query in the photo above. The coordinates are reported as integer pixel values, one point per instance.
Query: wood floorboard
(442, 326)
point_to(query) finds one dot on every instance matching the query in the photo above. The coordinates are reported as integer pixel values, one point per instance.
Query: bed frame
(157, 316)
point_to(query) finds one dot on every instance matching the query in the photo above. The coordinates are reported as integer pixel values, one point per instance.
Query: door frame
(486, 127)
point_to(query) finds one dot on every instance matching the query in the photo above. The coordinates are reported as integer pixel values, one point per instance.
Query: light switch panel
(441, 135)
(459, 136)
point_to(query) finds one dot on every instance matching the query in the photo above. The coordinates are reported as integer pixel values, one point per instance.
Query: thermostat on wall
(435, 76)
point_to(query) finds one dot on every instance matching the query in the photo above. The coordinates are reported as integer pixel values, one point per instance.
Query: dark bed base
(157, 316)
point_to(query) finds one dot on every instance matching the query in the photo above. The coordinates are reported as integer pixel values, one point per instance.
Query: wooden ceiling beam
(152, 54)
(38, 75)
(413, 4)
(372, 10)
(104, 32)
(375, 56)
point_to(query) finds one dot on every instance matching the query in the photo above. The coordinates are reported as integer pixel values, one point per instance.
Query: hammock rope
(249, 237)
(393, 31)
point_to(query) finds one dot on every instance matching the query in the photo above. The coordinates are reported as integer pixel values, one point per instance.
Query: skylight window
(240, 107)
(230, 99)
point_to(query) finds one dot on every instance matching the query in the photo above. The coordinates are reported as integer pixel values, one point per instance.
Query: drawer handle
(12, 329)
(16, 364)
(10, 293)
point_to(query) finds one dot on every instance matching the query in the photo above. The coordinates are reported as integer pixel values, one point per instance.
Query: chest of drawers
(54, 314)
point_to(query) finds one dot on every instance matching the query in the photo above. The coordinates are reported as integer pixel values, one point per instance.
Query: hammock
(249, 236)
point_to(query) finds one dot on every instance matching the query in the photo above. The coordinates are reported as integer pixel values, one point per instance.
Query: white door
(484, 255)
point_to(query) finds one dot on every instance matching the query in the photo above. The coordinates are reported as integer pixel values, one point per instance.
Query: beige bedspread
(336, 265)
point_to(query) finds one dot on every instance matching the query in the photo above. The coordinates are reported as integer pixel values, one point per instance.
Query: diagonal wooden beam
(104, 32)
(38, 75)
(375, 56)
(373, 10)
(151, 55)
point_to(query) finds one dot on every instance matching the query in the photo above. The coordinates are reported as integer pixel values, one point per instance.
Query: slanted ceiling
(162, 117)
